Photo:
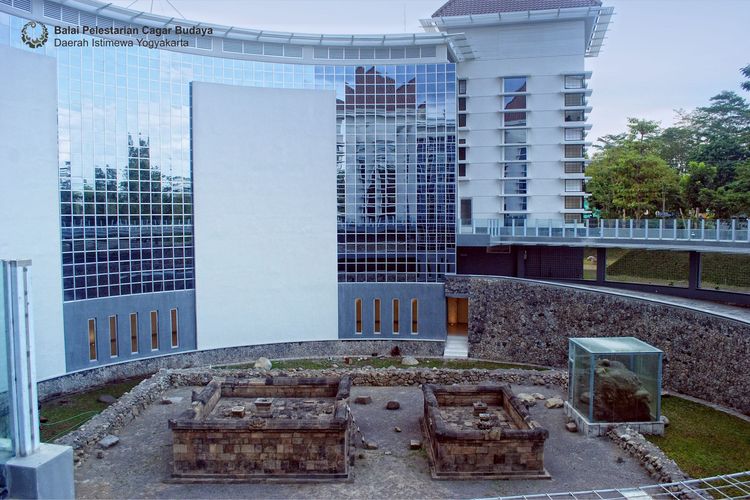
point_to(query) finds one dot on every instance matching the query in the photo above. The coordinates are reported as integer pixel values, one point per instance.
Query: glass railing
(6, 440)
(729, 230)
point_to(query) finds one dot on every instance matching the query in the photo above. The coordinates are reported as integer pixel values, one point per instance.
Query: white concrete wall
(541, 51)
(264, 171)
(29, 195)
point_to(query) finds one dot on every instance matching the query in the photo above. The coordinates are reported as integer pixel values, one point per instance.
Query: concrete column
(520, 262)
(601, 265)
(694, 278)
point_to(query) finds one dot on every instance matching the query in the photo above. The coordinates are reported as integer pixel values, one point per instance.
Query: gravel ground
(138, 466)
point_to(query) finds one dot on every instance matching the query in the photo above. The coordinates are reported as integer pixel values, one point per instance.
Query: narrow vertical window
(376, 307)
(395, 316)
(113, 351)
(133, 333)
(154, 330)
(358, 314)
(92, 339)
(174, 325)
(414, 316)
(462, 87)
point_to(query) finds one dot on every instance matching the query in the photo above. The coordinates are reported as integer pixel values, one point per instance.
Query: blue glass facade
(125, 164)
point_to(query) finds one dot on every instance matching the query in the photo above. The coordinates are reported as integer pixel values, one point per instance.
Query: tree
(746, 73)
(698, 186)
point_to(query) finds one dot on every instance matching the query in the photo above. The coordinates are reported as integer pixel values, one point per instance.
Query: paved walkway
(139, 464)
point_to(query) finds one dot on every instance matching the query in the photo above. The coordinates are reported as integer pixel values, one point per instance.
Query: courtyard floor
(139, 464)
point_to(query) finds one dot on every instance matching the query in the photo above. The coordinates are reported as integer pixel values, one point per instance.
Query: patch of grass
(395, 362)
(66, 413)
(703, 441)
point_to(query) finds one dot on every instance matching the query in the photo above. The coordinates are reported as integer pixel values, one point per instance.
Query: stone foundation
(596, 429)
(494, 437)
(282, 428)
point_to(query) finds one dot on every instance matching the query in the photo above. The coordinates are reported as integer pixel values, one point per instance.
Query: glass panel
(92, 339)
(395, 316)
(575, 82)
(514, 119)
(113, 336)
(6, 434)
(133, 333)
(174, 326)
(515, 170)
(590, 256)
(652, 267)
(574, 100)
(517, 84)
(574, 185)
(154, 330)
(414, 316)
(376, 313)
(514, 102)
(726, 272)
(515, 136)
(358, 314)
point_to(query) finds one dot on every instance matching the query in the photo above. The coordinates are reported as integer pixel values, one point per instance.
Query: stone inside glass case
(615, 379)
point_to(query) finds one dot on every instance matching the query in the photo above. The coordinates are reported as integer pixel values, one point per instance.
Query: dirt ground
(140, 463)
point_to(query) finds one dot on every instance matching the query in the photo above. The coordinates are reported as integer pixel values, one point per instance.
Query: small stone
(171, 400)
(361, 456)
(108, 441)
(409, 361)
(107, 399)
(571, 427)
(526, 399)
(371, 445)
(263, 363)
(415, 444)
(334, 365)
(620, 460)
(397, 429)
(392, 405)
(539, 396)
(100, 454)
(238, 411)
(554, 403)
(363, 400)
(387, 453)
(43, 420)
(665, 420)
(468, 423)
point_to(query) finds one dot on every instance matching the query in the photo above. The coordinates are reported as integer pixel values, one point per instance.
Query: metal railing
(725, 231)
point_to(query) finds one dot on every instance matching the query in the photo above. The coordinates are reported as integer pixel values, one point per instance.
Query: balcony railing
(726, 231)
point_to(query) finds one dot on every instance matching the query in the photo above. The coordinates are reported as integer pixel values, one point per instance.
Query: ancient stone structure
(265, 429)
(481, 432)
(530, 322)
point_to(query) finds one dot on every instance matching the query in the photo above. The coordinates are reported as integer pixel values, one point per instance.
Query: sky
(659, 55)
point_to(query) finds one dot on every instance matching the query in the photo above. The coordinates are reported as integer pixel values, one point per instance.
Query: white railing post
(525, 227)
(718, 229)
(617, 228)
(473, 225)
(601, 228)
(588, 226)
(645, 234)
(631, 229)
(513, 227)
(703, 229)
(734, 229)
(674, 229)
(661, 228)
(537, 228)
(689, 228)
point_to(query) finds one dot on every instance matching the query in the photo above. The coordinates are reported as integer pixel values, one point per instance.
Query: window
(573, 202)
(113, 351)
(573, 134)
(574, 185)
(462, 170)
(462, 120)
(573, 151)
(515, 153)
(571, 218)
(466, 210)
(358, 314)
(395, 316)
(515, 187)
(574, 100)
(154, 330)
(376, 312)
(92, 339)
(133, 333)
(462, 153)
(515, 136)
(574, 116)
(462, 104)
(173, 321)
(518, 220)
(514, 102)
(574, 167)
(514, 119)
(575, 82)
(515, 84)
(414, 317)
(515, 170)
(514, 203)
(462, 87)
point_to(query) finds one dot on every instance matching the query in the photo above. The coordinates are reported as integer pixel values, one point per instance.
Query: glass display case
(614, 379)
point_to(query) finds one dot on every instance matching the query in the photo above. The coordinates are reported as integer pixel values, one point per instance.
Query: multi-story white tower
(522, 99)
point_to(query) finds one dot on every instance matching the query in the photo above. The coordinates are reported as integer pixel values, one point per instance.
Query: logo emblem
(34, 34)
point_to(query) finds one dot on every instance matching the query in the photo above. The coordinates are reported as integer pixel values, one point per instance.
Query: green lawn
(66, 413)
(395, 362)
(703, 441)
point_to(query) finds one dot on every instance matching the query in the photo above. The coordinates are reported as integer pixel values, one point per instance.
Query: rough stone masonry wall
(705, 356)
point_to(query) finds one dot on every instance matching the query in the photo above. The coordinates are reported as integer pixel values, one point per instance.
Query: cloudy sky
(660, 55)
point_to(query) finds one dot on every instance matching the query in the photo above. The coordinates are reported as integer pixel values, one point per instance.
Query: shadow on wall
(705, 356)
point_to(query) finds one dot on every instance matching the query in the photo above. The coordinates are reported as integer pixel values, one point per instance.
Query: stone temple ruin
(481, 432)
(286, 428)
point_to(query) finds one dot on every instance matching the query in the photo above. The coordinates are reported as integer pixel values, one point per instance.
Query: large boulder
(409, 361)
(619, 395)
(263, 363)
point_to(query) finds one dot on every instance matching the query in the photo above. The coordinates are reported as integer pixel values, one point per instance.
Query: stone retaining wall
(657, 464)
(83, 380)
(705, 356)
